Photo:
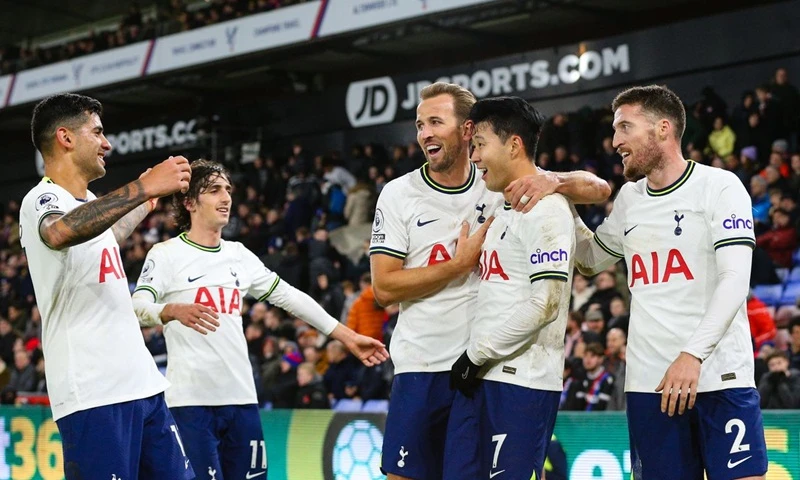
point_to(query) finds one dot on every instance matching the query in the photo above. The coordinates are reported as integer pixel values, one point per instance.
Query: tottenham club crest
(44, 200)
(147, 269)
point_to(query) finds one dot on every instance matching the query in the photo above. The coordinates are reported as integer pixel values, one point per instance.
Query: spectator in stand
(310, 390)
(573, 335)
(789, 98)
(781, 241)
(794, 175)
(360, 206)
(762, 325)
(794, 342)
(344, 371)
(23, 377)
(366, 316)
(722, 139)
(329, 295)
(7, 339)
(605, 283)
(582, 291)
(761, 203)
(594, 392)
(780, 387)
(614, 363)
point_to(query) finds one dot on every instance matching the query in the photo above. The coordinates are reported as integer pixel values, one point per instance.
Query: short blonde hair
(463, 99)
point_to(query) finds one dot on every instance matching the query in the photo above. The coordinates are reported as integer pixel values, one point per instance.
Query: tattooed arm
(126, 225)
(95, 217)
(92, 218)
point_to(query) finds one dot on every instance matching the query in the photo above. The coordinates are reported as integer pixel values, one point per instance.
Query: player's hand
(153, 202)
(193, 315)
(679, 385)
(468, 248)
(371, 352)
(534, 187)
(464, 376)
(170, 176)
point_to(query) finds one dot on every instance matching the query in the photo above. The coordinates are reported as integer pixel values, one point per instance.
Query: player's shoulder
(43, 193)
(716, 177)
(401, 184)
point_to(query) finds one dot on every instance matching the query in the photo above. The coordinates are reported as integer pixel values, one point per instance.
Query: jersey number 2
(740, 430)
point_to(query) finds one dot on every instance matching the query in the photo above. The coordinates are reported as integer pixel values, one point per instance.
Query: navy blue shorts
(503, 432)
(722, 434)
(225, 442)
(136, 439)
(413, 441)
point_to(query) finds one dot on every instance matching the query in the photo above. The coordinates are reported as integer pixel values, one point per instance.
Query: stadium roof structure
(501, 28)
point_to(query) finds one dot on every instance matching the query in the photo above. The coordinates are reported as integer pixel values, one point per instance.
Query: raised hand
(170, 176)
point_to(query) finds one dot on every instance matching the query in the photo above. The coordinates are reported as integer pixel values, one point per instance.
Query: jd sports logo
(371, 102)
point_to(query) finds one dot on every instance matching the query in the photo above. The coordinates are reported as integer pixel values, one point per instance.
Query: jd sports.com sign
(154, 137)
(376, 101)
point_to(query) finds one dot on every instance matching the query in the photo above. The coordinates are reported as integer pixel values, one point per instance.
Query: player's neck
(521, 168)
(456, 176)
(60, 173)
(668, 174)
(206, 237)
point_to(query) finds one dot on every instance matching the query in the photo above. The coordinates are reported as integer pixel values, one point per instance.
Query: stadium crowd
(163, 18)
(308, 217)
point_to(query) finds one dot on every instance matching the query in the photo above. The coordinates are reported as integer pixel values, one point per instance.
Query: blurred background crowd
(307, 215)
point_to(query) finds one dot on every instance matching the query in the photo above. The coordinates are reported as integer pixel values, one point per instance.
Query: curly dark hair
(65, 109)
(204, 173)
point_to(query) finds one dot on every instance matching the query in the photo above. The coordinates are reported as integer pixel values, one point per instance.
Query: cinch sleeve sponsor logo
(539, 256)
(734, 223)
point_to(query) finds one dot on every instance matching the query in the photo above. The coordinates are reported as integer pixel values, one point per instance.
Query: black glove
(464, 376)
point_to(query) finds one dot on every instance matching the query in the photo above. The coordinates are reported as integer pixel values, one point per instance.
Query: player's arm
(154, 280)
(193, 315)
(733, 257)
(592, 255)
(95, 217)
(369, 350)
(580, 187)
(733, 284)
(533, 314)
(394, 284)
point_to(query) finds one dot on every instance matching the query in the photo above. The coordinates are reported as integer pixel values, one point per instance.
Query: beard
(647, 159)
(448, 159)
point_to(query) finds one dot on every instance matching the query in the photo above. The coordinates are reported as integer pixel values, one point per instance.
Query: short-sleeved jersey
(213, 369)
(418, 220)
(668, 239)
(521, 249)
(93, 348)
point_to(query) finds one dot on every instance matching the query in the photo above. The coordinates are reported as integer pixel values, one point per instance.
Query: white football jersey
(213, 369)
(418, 221)
(668, 238)
(521, 249)
(93, 348)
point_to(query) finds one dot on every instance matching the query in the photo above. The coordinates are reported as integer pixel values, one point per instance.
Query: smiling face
(213, 205)
(442, 136)
(91, 147)
(491, 156)
(635, 140)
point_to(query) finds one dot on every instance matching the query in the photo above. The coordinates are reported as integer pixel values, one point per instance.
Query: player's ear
(664, 128)
(189, 204)
(65, 138)
(468, 130)
(515, 146)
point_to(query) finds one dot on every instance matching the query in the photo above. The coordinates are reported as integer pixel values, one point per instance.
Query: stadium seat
(794, 275)
(790, 294)
(348, 405)
(796, 257)
(769, 294)
(782, 273)
(376, 406)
